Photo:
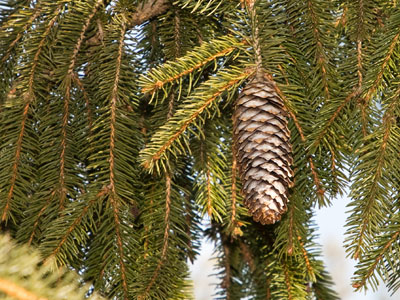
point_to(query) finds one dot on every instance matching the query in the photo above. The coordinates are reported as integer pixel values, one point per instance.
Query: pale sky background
(331, 222)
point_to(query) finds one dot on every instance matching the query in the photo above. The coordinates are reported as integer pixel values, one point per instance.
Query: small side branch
(287, 281)
(159, 84)
(306, 257)
(29, 97)
(234, 222)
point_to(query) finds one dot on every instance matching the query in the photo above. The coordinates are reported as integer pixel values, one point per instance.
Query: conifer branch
(177, 34)
(317, 182)
(377, 81)
(149, 162)
(287, 281)
(306, 257)
(63, 189)
(208, 179)
(117, 223)
(159, 84)
(39, 51)
(171, 105)
(359, 63)
(336, 113)
(16, 161)
(290, 244)
(382, 69)
(81, 37)
(357, 89)
(69, 77)
(35, 225)
(35, 14)
(113, 195)
(370, 201)
(321, 60)
(166, 235)
(29, 97)
(87, 101)
(226, 283)
(17, 292)
(364, 120)
(192, 61)
(70, 229)
(359, 284)
(234, 223)
(319, 189)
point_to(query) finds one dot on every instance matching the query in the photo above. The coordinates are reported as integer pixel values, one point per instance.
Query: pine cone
(263, 150)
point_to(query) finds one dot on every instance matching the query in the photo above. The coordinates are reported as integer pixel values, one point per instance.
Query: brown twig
(148, 10)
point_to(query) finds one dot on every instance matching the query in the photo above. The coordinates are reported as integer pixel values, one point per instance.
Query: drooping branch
(35, 14)
(113, 196)
(376, 177)
(71, 228)
(16, 162)
(79, 83)
(166, 237)
(320, 56)
(371, 269)
(29, 97)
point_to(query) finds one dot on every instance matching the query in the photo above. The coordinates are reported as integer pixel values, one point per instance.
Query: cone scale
(263, 150)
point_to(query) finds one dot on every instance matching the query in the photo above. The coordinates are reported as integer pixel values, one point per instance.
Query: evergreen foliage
(116, 141)
(22, 276)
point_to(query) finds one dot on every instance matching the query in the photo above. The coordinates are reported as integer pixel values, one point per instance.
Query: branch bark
(147, 10)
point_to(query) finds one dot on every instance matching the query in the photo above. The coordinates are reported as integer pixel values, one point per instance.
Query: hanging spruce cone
(263, 150)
